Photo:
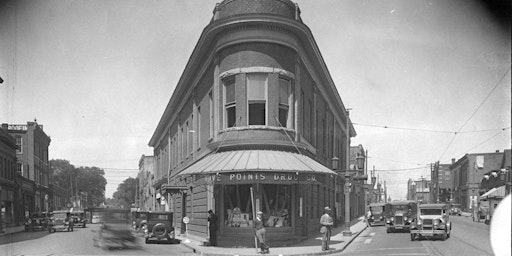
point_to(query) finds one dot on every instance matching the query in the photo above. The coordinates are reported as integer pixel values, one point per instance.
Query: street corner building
(255, 124)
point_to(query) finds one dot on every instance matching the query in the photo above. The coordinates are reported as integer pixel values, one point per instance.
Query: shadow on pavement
(22, 236)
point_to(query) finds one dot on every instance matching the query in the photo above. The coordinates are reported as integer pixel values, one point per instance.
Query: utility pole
(346, 230)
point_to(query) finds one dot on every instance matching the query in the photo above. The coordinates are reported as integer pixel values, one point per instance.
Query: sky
(98, 75)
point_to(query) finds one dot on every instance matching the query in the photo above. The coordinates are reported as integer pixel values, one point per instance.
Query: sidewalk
(11, 230)
(310, 246)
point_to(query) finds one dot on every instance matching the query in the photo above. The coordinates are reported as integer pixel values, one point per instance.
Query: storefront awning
(498, 192)
(166, 188)
(256, 160)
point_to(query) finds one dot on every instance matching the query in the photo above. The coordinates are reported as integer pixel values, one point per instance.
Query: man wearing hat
(260, 232)
(326, 222)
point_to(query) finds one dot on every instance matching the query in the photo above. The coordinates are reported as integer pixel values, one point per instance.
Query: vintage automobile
(159, 226)
(375, 215)
(433, 221)
(399, 215)
(115, 230)
(139, 219)
(37, 221)
(79, 219)
(60, 221)
(482, 214)
(455, 209)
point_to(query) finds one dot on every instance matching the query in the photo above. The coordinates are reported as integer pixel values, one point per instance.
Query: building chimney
(497, 150)
(453, 160)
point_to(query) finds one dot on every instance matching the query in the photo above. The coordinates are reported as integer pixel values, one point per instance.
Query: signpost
(186, 220)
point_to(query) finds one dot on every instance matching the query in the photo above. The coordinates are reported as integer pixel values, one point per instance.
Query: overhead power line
(426, 130)
(485, 99)
(488, 139)
(474, 112)
(405, 169)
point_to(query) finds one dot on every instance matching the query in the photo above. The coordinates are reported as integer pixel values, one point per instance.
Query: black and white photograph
(255, 127)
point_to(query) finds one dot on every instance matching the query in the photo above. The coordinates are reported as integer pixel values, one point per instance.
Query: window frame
(249, 101)
(231, 104)
(289, 101)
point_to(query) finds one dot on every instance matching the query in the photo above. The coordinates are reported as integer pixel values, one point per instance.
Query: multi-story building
(146, 197)
(468, 172)
(442, 183)
(495, 184)
(419, 190)
(255, 123)
(32, 164)
(9, 202)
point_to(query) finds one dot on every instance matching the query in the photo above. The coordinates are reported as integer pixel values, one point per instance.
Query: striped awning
(256, 160)
(498, 192)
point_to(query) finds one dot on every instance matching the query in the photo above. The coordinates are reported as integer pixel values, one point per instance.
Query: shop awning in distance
(173, 189)
(498, 192)
(256, 160)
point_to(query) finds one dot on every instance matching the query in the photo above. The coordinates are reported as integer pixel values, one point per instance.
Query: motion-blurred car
(37, 221)
(60, 221)
(115, 230)
(159, 227)
(433, 221)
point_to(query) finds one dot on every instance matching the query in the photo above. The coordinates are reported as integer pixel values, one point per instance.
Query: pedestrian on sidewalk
(212, 219)
(326, 222)
(260, 232)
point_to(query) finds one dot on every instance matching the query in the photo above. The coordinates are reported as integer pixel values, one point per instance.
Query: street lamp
(337, 205)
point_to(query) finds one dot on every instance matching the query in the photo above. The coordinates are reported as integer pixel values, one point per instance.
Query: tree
(124, 197)
(87, 182)
(92, 182)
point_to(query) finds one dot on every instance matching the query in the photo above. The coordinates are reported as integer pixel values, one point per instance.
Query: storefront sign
(266, 177)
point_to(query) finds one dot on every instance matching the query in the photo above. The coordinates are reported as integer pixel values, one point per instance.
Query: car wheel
(413, 237)
(387, 230)
(147, 240)
(443, 236)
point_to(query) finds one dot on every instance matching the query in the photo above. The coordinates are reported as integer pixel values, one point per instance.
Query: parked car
(483, 214)
(159, 226)
(60, 221)
(37, 221)
(433, 221)
(115, 230)
(78, 216)
(375, 214)
(455, 210)
(399, 215)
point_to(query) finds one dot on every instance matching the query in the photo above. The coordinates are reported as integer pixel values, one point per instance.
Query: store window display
(274, 201)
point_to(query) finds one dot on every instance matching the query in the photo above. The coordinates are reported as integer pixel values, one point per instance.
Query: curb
(301, 254)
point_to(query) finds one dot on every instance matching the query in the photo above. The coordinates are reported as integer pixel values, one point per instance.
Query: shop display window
(274, 201)
(237, 200)
(275, 204)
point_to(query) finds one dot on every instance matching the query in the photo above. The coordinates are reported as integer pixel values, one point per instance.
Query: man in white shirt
(326, 222)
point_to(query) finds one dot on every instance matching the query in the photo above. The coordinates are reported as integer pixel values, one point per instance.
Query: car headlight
(419, 222)
(371, 217)
(405, 218)
(392, 218)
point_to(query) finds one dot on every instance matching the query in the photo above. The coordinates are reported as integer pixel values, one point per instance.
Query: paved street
(467, 238)
(78, 242)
